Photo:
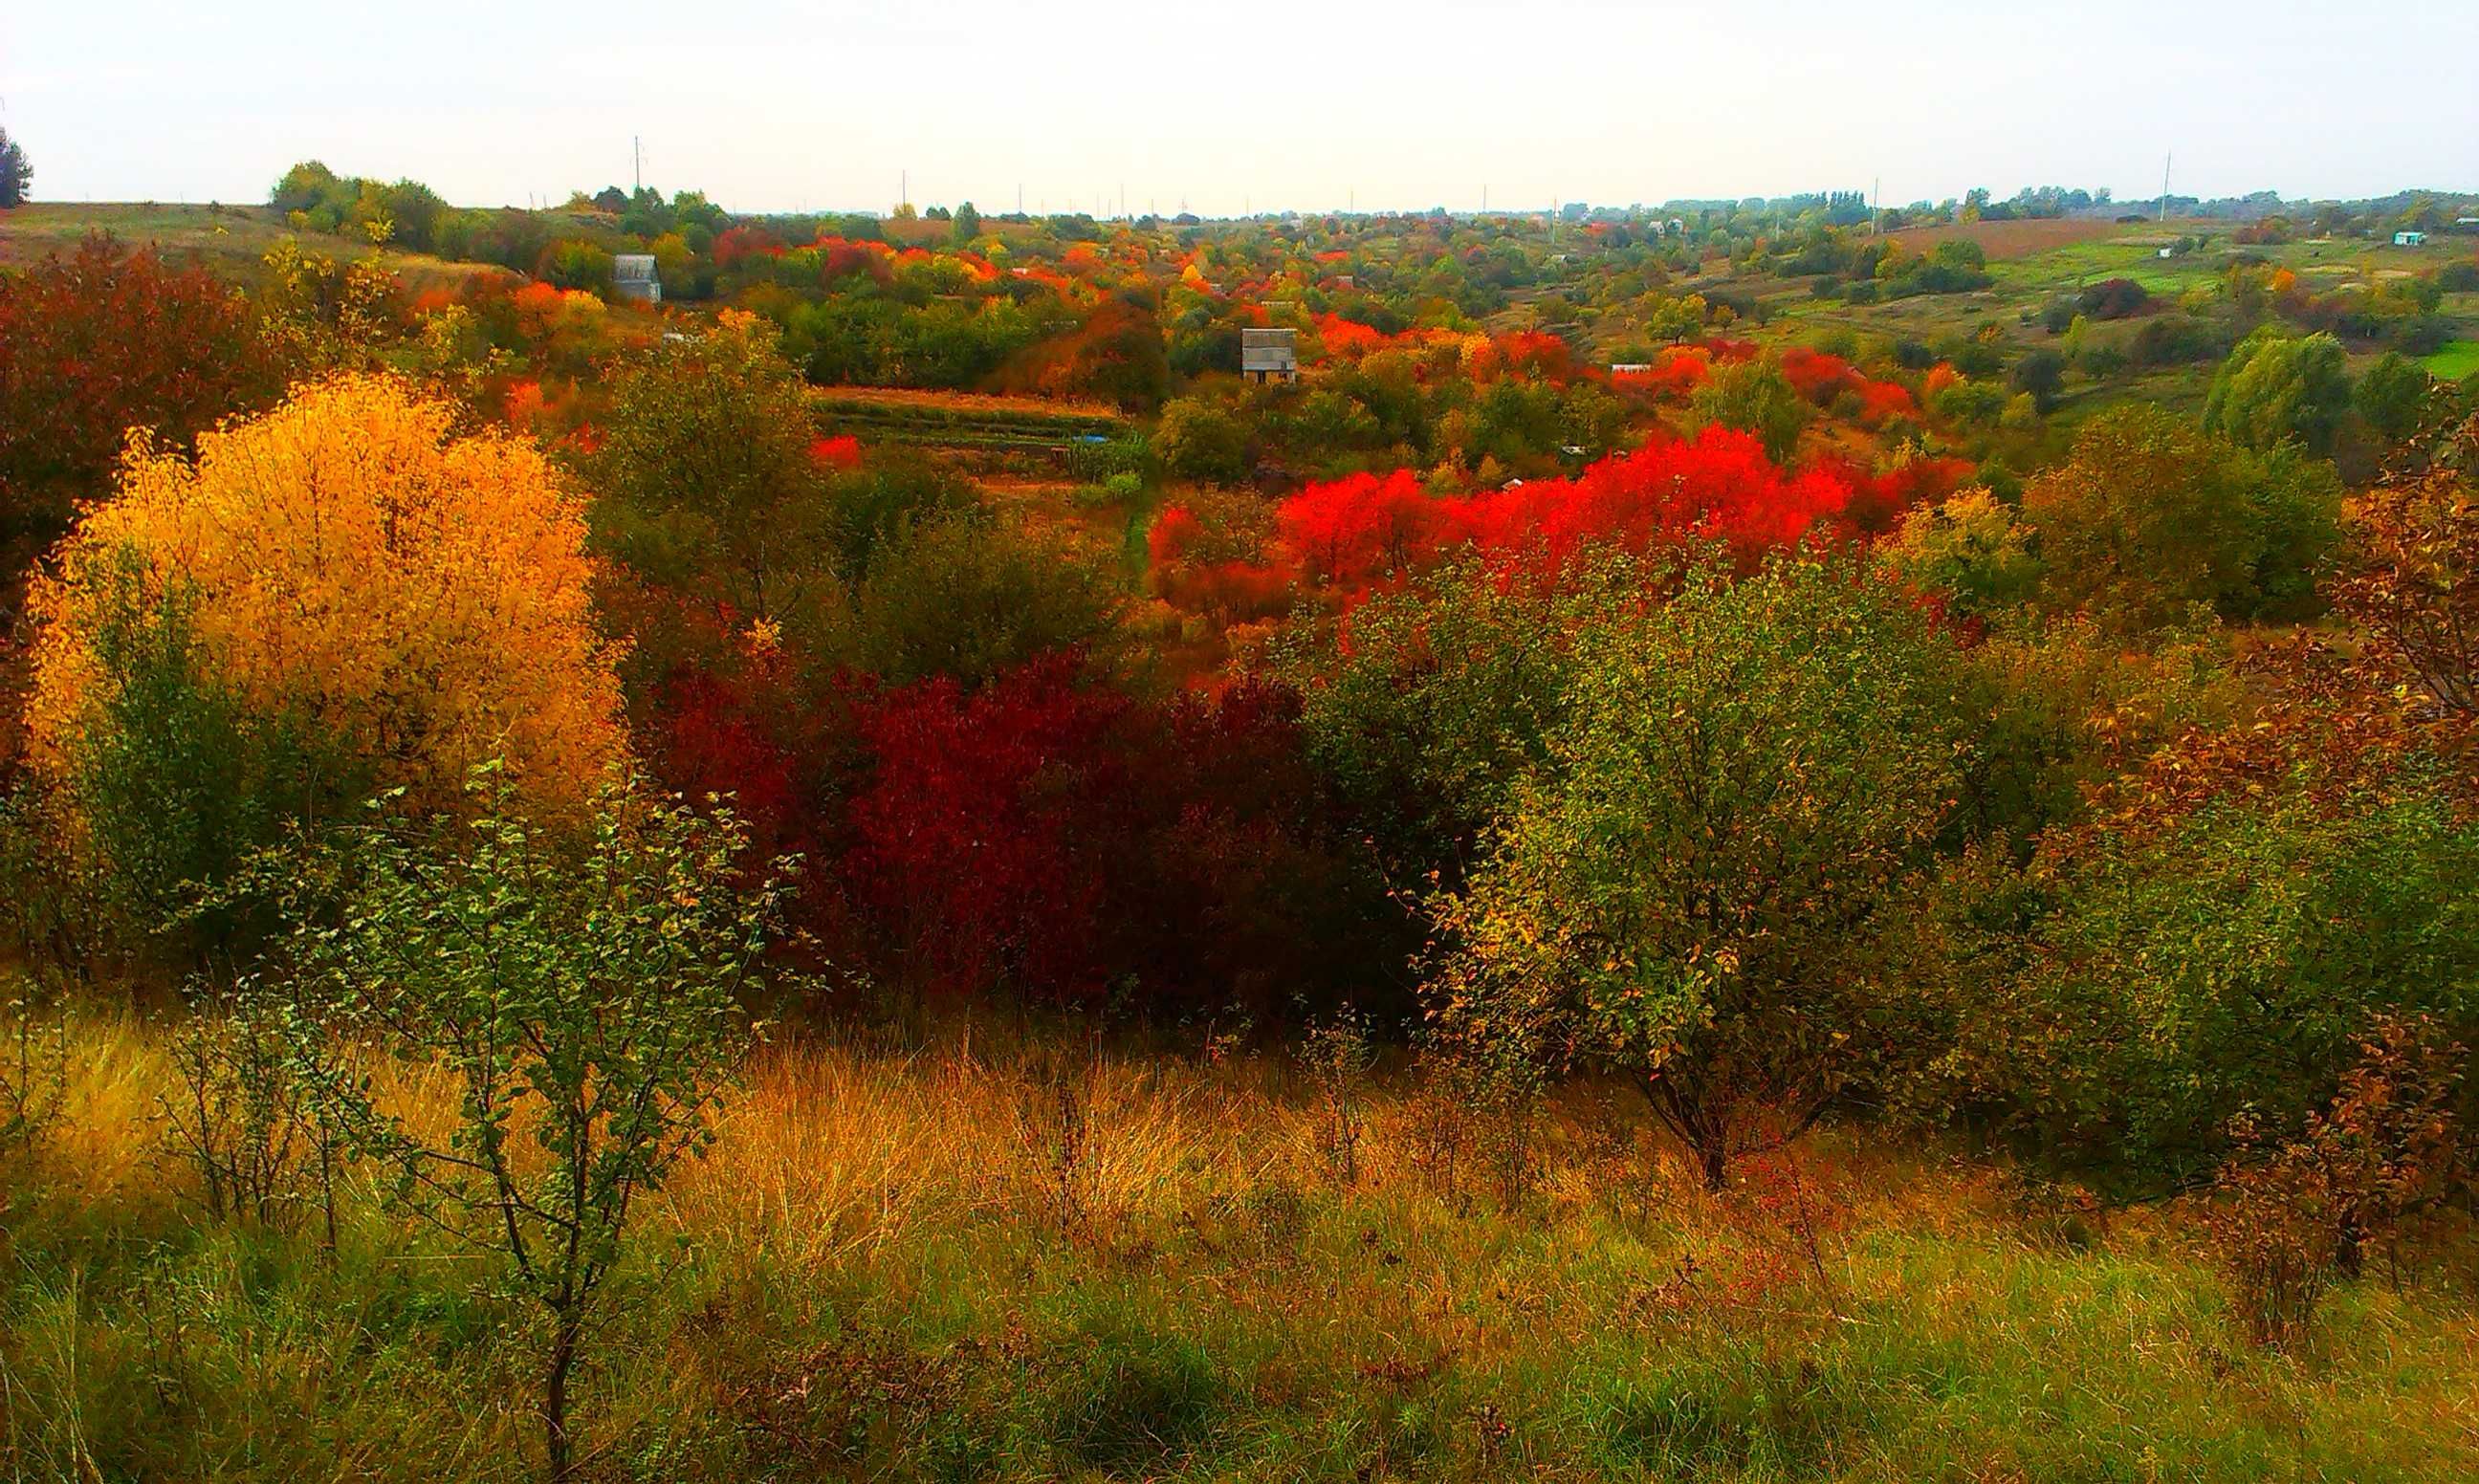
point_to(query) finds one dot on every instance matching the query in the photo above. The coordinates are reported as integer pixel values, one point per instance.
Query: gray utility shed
(634, 277)
(1269, 354)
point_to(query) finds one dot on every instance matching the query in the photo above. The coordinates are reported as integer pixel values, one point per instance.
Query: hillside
(230, 240)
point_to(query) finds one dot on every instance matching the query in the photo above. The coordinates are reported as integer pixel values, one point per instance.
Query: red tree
(101, 341)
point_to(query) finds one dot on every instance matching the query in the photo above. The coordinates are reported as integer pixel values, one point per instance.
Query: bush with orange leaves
(414, 602)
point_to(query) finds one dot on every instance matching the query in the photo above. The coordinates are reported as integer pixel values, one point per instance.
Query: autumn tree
(2240, 911)
(98, 343)
(2150, 516)
(1970, 548)
(1692, 892)
(2410, 578)
(414, 600)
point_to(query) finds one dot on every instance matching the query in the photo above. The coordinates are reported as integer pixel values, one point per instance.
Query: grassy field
(2455, 361)
(230, 240)
(901, 1266)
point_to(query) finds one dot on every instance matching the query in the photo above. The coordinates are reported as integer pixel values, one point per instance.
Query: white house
(1268, 354)
(634, 277)
(2410, 239)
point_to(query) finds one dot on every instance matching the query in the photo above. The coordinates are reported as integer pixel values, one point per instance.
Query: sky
(768, 105)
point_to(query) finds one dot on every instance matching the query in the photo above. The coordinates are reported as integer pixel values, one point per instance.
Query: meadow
(2455, 361)
(994, 1253)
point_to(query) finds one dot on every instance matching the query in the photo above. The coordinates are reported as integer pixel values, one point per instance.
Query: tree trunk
(1716, 1160)
(555, 1440)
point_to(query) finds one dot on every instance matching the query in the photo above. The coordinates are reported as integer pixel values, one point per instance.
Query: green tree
(575, 264)
(1692, 894)
(1429, 704)
(967, 596)
(582, 994)
(2277, 387)
(1755, 396)
(2150, 516)
(2393, 395)
(968, 224)
(2042, 373)
(1198, 440)
(705, 476)
(16, 173)
(2244, 917)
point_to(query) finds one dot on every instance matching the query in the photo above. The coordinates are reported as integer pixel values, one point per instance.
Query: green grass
(872, 1278)
(2458, 359)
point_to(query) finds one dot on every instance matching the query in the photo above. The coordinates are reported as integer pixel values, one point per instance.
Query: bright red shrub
(1349, 337)
(735, 243)
(1363, 531)
(1818, 376)
(839, 453)
(1881, 401)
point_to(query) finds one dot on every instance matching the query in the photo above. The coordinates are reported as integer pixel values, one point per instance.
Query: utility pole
(1876, 204)
(904, 189)
(638, 160)
(2164, 185)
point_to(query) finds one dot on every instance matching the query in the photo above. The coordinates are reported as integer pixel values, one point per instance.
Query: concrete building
(1269, 354)
(634, 277)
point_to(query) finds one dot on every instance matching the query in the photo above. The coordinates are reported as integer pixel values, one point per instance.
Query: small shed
(2410, 239)
(634, 277)
(1269, 354)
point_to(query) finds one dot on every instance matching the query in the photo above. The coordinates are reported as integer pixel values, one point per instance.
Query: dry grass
(2005, 241)
(229, 240)
(1030, 1259)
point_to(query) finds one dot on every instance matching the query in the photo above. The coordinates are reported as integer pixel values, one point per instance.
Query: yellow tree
(414, 600)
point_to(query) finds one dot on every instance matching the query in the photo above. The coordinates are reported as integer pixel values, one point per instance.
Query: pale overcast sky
(769, 105)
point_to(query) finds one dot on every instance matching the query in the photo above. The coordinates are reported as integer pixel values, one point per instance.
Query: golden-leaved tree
(414, 600)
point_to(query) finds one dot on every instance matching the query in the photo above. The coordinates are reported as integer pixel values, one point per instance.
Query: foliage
(1046, 834)
(176, 778)
(102, 341)
(2291, 1216)
(1970, 548)
(967, 596)
(2149, 517)
(413, 599)
(1693, 893)
(2232, 919)
(16, 173)
(1429, 704)
(1200, 441)
(585, 998)
(2411, 578)
(1753, 396)
(2277, 387)
(707, 476)
(2393, 395)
